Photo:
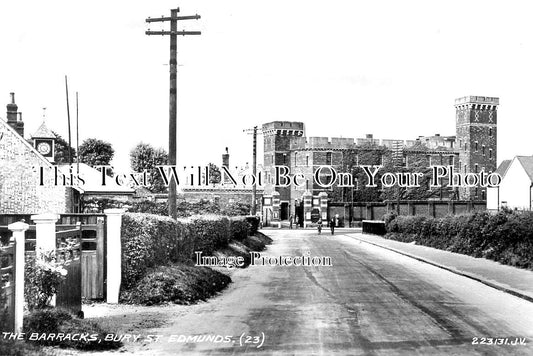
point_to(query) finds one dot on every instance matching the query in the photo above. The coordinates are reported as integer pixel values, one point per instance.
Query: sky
(344, 68)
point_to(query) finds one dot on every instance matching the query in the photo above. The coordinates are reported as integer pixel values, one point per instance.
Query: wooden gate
(68, 250)
(93, 264)
(93, 230)
(7, 283)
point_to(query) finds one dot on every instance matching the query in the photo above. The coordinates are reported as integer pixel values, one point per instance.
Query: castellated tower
(476, 120)
(279, 136)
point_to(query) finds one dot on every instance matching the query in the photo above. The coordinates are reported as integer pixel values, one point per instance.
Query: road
(370, 302)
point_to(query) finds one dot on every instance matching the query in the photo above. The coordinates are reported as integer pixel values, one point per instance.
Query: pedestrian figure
(332, 225)
(297, 220)
(291, 218)
(319, 226)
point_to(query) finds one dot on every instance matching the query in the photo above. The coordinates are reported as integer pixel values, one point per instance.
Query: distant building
(472, 149)
(516, 188)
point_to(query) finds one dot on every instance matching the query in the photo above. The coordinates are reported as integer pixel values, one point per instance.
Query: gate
(93, 264)
(68, 251)
(93, 242)
(7, 283)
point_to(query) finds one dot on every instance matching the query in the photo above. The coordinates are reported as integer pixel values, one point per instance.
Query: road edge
(453, 270)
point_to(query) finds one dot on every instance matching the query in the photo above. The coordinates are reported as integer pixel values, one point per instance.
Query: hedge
(506, 236)
(153, 240)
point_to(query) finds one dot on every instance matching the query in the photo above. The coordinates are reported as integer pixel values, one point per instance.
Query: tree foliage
(215, 176)
(145, 157)
(95, 152)
(62, 150)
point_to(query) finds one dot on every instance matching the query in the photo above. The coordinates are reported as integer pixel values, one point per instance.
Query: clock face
(44, 148)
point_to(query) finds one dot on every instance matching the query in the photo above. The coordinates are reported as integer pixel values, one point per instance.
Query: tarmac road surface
(370, 302)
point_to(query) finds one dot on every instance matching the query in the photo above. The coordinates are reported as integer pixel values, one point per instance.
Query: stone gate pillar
(276, 216)
(308, 206)
(323, 201)
(45, 232)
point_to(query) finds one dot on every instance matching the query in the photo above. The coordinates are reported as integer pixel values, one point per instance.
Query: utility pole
(172, 122)
(254, 168)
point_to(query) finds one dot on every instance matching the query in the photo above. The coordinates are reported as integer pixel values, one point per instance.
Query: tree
(62, 150)
(94, 152)
(145, 156)
(215, 176)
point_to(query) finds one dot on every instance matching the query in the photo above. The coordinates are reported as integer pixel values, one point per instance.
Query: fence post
(45, 226)
(19, 230)
(45, 236)
(114, 253)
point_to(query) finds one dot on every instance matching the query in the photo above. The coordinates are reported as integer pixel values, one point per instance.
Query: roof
(25, 143)
(43, 132)
(502, 168)
(527, 163)
(93, 181)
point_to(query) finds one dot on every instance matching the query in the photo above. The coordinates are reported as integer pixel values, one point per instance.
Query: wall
(375, 211)
(20, 191)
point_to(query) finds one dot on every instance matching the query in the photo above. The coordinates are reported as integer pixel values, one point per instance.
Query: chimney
(225, 159)
(12, 113)
(225, 163)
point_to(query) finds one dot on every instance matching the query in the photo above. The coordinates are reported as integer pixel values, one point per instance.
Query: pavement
(512, 280)
(371, 301)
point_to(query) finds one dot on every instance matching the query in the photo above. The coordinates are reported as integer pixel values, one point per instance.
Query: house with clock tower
(21, 191)
(44, 142)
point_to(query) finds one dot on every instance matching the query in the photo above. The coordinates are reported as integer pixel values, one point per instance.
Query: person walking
(291, 219)
(319, 226)
(332, 225)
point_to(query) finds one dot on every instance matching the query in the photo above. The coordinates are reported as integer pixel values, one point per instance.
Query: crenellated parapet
(477, 103)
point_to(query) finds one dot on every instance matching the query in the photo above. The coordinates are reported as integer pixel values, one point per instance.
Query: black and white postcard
(266, 177)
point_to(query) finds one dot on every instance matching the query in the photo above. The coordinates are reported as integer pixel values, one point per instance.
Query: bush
(506, 236)
(239, 229)
(178, 284)
(209, 233)
(42, 277)
(152, 240)
(149, 207)
(18, 348)
(147, 241)
(57, 321)
(254, 223)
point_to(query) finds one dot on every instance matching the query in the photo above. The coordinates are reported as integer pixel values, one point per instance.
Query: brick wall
(20, 192)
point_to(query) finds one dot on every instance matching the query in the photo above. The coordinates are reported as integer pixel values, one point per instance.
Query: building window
(475, 146)
(490, 131)
(307, 160)
(295, 160)
(490, 152)
(450, 161)
(284, 159)
(475, 168)
(328, 158)
(483, 149)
